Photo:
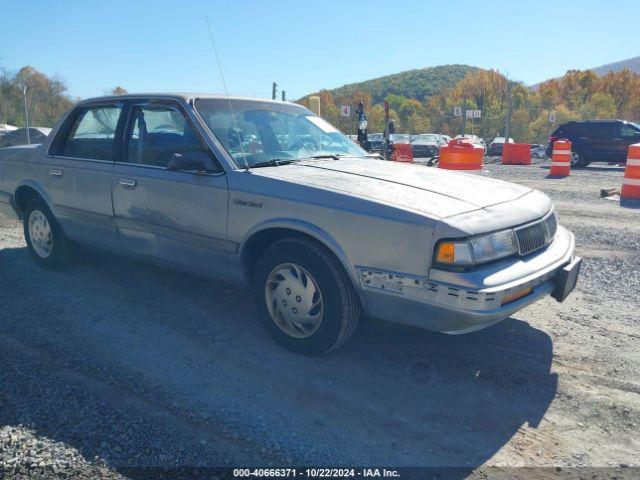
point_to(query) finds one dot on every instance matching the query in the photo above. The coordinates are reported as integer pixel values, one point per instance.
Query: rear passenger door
(176, 217)
(602, 143)
(78, 173)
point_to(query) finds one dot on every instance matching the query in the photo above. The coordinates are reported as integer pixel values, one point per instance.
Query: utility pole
(507, 128)
(464, 114)
(26, 113)
(274, 89)
(284, 96)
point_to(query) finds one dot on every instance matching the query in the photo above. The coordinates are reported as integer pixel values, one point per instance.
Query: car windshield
(256, 132)
(426, 138)
(374, 136)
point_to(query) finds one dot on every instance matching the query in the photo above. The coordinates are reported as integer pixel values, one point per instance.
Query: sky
(304, 45)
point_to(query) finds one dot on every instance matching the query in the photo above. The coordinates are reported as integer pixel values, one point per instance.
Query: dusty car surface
(270, 196)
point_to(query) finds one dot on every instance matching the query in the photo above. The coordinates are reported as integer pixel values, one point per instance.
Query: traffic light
(284, 96)
(274, 90)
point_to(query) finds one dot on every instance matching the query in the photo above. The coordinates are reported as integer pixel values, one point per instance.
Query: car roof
(186, 97)
(604, 120)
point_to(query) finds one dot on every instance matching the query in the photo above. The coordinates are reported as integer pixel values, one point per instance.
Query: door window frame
(127, 130)
(57, 145)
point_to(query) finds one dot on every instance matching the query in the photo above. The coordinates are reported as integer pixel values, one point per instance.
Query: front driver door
(176, 217)
(627, 135)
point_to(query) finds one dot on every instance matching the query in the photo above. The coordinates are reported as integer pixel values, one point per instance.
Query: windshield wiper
(332, 156)
(274, 162)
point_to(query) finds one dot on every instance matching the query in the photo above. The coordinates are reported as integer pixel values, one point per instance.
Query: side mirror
(190, 161)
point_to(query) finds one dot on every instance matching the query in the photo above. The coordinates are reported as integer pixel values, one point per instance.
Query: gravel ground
(113, 364)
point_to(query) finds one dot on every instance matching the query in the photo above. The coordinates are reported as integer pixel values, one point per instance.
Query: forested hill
(420, 83)
(632, 64)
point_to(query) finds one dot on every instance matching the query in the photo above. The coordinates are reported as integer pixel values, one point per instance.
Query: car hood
(432, 191)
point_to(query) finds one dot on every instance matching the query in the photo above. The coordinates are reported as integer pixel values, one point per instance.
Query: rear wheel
(46, 241)
(303, 297)
(578, 160)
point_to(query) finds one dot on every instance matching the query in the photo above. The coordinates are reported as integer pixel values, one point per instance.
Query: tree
(119, 91)
(623, 87)
(46, 97)
(601, 105)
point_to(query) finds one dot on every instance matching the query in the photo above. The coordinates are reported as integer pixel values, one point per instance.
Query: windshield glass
(427, 138)
(258, 131)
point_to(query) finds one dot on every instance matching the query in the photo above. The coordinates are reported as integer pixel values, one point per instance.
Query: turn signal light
(446, 252)
(512, 297)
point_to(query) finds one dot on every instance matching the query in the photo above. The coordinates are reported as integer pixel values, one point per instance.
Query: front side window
(627, 131)
(158, 133)
(254, 132)
(92, 133)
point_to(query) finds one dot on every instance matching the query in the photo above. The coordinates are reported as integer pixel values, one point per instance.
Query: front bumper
(461, 302)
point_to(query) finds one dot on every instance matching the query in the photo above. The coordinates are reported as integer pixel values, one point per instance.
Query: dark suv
(597, 140)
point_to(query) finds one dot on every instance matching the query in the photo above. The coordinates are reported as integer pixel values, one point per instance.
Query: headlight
(474, 250)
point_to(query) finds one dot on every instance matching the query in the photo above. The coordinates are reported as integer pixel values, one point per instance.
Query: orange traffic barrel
(516, 154)
(631, 180)
(402, 153)
(461, 154)
(561, 159)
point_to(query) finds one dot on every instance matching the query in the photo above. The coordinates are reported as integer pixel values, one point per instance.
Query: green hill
(420, 83)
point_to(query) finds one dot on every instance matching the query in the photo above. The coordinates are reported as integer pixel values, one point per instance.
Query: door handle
(125, 182)
(55, 172)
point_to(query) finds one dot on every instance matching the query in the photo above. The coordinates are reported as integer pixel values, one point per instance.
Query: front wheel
(46, 241)
(304, 298)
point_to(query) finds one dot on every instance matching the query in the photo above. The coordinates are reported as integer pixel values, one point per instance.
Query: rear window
(92, 133)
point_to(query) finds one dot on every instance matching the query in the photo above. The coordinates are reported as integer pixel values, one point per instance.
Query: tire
(578, 160)
(297, 272)
(39, 225)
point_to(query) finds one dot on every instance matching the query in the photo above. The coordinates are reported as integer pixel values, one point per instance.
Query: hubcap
(294, 300)
(40, 234)
(575, 159)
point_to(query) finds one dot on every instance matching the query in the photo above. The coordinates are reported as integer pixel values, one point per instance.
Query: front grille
(537, 235)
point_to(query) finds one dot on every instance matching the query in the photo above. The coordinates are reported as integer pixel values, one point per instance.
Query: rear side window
(92, 133)
(158, 133)
(601, 130)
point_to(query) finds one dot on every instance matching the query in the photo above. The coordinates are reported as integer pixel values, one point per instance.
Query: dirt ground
(121, 364)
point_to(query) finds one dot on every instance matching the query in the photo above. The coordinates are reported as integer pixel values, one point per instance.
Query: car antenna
(226, 92)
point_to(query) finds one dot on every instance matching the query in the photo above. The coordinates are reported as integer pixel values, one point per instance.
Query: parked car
(538, 151)
(375, 142)
(19, 136)
(474, 139)
(5, 127)
(596, 140)
(496, 146)
(426, 145)
(320, 231)
(399, 138)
